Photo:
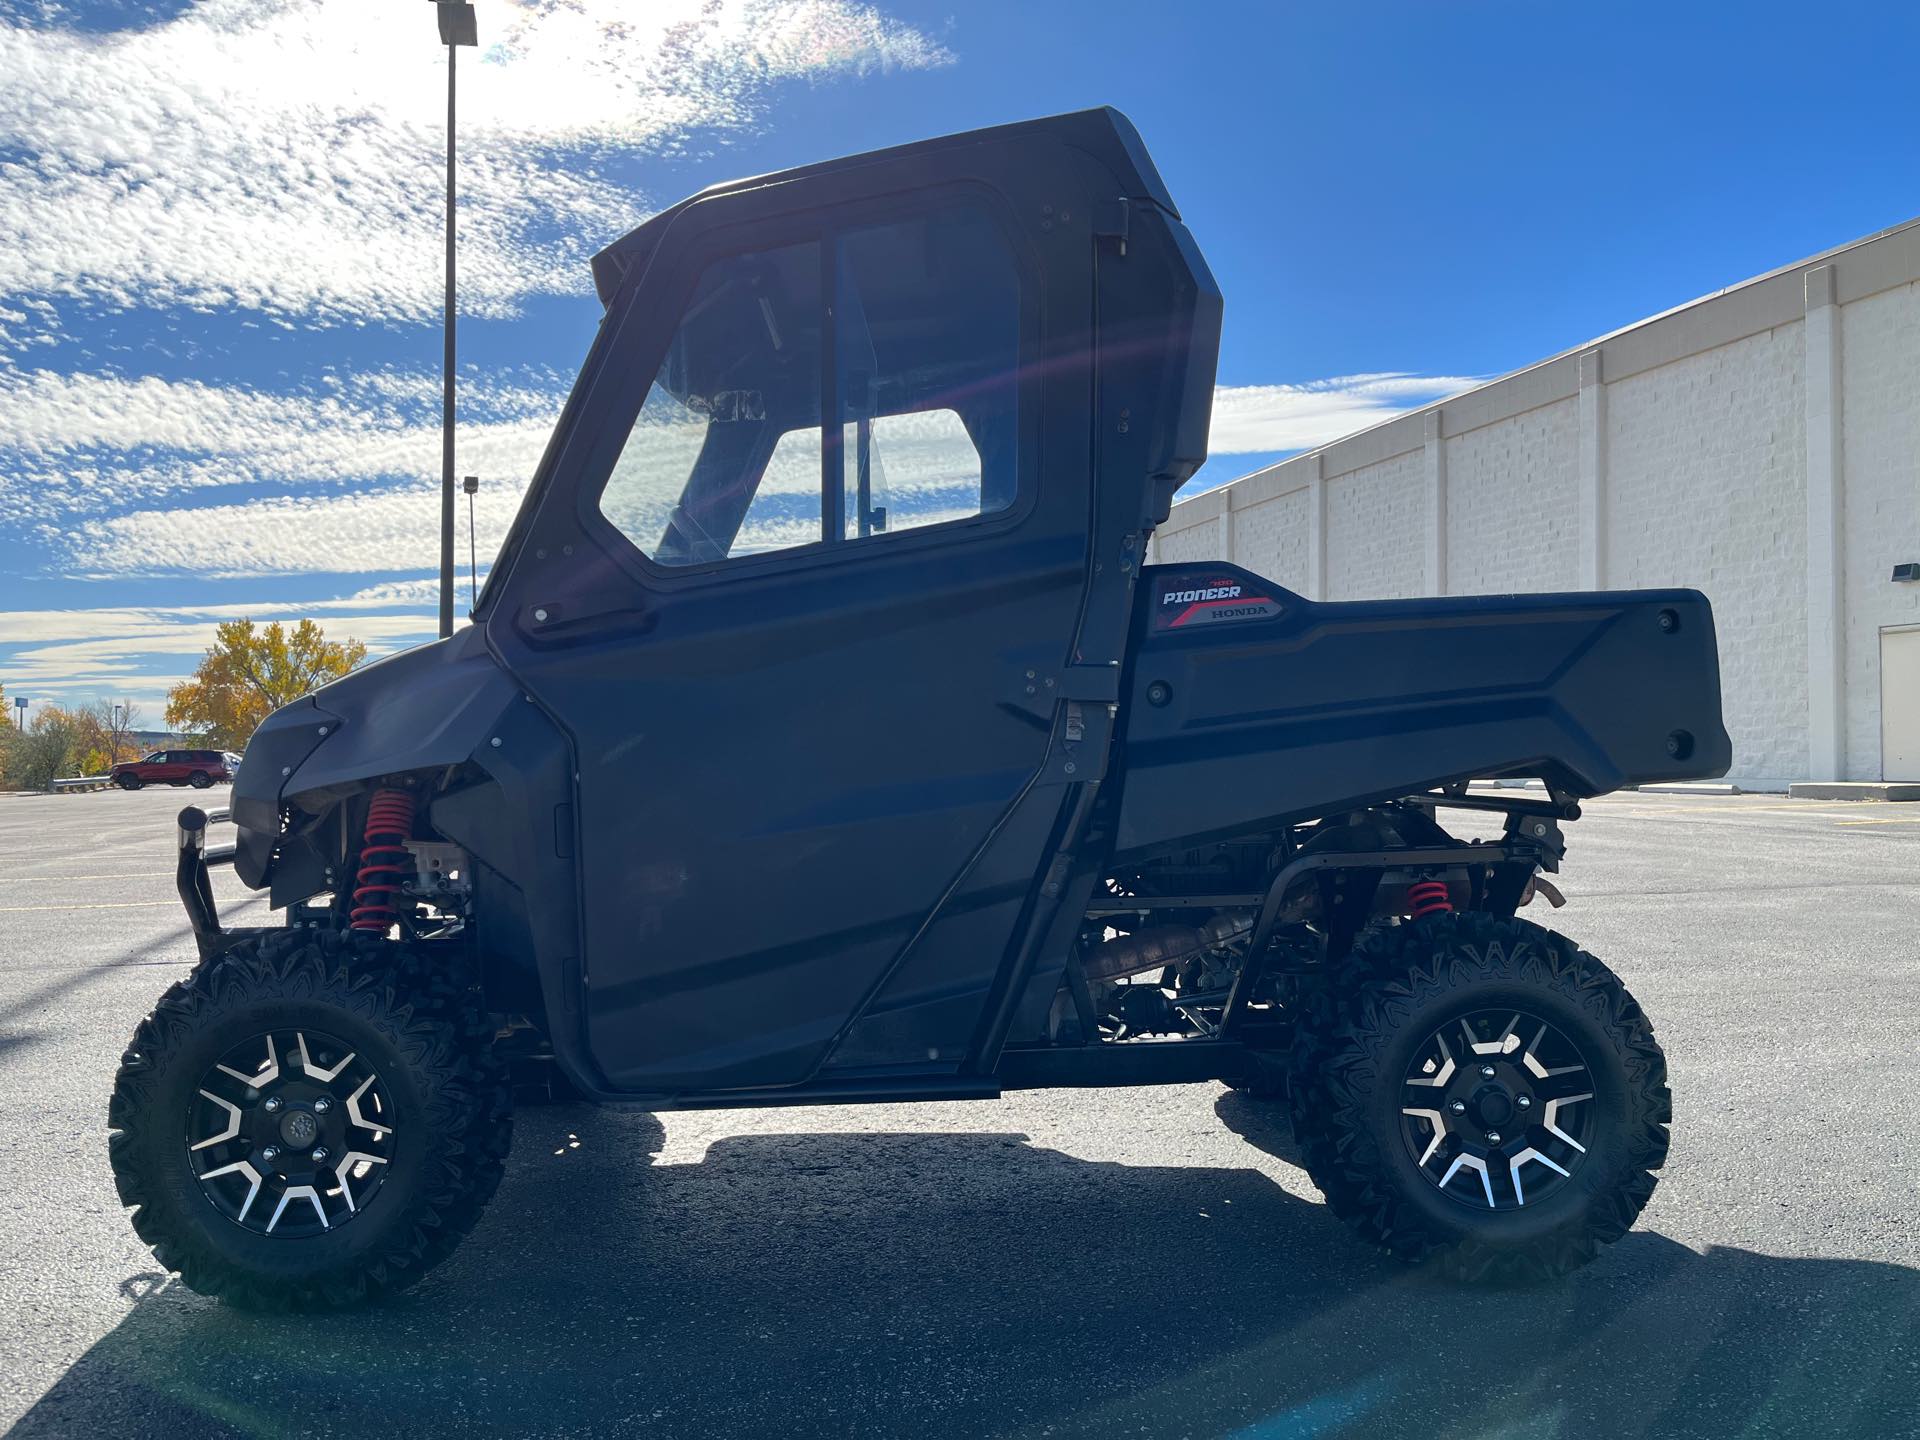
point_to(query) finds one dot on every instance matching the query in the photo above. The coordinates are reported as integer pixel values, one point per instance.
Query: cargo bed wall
(1247, 703)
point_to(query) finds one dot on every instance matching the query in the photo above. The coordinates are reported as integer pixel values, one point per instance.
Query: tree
(106, 730)
(249, 673)
(45, 750)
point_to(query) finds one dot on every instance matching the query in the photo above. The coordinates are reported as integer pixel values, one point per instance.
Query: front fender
(422, 709)
(278, 748)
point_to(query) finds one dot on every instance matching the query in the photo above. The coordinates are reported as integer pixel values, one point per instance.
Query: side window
(742, 372)
(927, 348)
(907, 334)
(785, 510)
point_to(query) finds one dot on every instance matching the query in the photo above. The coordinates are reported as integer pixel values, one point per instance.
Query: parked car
(198, 768)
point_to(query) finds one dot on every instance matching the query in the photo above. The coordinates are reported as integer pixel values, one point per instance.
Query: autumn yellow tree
(250, 672)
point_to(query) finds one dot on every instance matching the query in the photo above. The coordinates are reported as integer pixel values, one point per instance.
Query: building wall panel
(1270, 538)
(1376, 529)
(1706, 487)
(1512, 492)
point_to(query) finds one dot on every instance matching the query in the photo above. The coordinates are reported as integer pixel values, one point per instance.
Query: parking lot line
(123, 875)
(102, 905)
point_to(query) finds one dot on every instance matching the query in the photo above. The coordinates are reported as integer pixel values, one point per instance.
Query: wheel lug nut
(1525, 1102)
(270, 1154)
(319, 1154)
(273, 1104)
(322, 1105)
(1458, 1107)
(1487, 1070)
(1493, 1137)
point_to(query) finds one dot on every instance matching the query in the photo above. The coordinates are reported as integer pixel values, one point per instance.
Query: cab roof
(1104, 133)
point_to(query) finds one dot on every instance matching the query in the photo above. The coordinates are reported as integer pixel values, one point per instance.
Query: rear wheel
(309, 1122)
(200, 780)
(1478, 1091)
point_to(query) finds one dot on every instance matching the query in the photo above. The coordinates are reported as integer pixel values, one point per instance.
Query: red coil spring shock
(384, 860)
(1429, 897)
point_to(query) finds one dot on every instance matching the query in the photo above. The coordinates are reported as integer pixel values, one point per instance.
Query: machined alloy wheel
(200, 780)
(1494, 1107)
(1478, 1091)
(291, 1133)
(129, 782)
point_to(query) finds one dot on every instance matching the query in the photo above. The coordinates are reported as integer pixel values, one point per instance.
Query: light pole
(457, 28)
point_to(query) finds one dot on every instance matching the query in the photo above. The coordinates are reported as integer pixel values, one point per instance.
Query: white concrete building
(1761, 444)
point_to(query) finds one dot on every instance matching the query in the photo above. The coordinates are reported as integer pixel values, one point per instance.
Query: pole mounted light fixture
(456, 23)
(457, 28)
(472, 487)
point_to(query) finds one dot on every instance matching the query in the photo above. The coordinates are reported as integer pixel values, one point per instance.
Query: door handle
(550, 627)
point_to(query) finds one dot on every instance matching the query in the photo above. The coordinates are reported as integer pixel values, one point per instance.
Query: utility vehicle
(821, 736)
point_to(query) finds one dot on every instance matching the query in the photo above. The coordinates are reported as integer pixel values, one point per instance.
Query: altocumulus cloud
(250, 162)
(71, 441)
(281, 155)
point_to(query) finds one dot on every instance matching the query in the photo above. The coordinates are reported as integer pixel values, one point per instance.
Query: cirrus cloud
(1258, 419)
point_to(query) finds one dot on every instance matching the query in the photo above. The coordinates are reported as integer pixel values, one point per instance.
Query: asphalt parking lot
(1065, 1263)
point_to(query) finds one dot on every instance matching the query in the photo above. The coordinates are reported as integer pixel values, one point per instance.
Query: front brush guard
(190, 878)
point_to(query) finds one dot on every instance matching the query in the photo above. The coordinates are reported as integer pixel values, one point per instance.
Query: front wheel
(129, 782)
(1478, 1091)
(309, 1121)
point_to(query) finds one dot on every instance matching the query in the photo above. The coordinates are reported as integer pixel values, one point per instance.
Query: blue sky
(219, 242)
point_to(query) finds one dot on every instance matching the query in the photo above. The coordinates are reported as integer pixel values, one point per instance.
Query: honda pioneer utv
(821, 736)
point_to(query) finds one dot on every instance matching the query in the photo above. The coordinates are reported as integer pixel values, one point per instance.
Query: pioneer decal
(1197, 598)
(1211, 592)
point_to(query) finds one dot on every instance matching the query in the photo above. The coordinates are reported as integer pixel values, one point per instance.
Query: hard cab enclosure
(821, 690)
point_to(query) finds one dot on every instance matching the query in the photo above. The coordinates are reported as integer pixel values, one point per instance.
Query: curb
(1853, 790)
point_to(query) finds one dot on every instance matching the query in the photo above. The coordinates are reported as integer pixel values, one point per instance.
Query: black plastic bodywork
(823, 825)
(1254, 700)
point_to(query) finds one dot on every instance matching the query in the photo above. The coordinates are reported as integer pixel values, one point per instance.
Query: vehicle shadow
(973, 1284)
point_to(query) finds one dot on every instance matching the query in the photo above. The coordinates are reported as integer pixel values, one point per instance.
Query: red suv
(198, 768)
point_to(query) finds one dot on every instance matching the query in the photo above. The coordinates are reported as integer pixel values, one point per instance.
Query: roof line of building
(1882, 261)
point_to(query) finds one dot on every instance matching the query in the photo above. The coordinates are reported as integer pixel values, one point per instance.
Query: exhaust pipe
(1159, 946)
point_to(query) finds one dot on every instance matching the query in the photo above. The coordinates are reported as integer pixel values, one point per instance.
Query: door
(830, 535)
(176, 767)
(1900, 704)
